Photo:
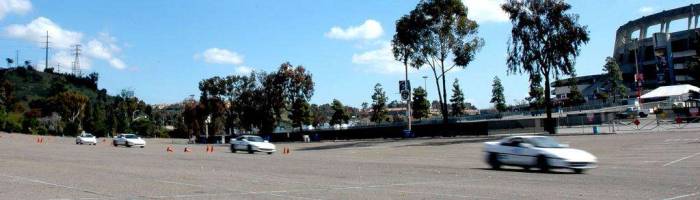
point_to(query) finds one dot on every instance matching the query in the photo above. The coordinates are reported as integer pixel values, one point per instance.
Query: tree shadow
(343, 145)
(451, 142)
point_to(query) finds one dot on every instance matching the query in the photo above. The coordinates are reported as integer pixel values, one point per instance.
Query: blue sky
(163, 48)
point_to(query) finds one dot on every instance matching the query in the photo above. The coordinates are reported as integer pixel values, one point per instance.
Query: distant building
(587, 85)
(659, 56)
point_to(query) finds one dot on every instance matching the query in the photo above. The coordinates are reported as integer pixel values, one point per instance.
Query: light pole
(425, 83)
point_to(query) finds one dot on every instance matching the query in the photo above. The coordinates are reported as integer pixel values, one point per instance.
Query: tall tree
(70, 105)
(379, 112)
(301, 113)
(545, 41)
(457, 100)
(297, 88)
(340, 115)
(437, 33)
(615, 85)
(575, 97)
(420, 103)
(497, 97)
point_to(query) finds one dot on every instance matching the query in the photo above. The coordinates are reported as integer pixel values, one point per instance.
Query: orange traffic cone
(211, 149)
(169, 149)
(187, 149)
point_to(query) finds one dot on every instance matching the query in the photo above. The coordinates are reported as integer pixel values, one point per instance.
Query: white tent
(670, 91)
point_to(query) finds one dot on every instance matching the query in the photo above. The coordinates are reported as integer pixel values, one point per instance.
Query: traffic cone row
(286, 151)
(40, 140)
(210, 148)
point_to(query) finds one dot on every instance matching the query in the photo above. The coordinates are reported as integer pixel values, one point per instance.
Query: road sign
(405, 89)
(404, 85)
(405, 95)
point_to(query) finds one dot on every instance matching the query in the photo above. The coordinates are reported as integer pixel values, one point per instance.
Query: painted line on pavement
(681, 159)
(54, 184)
(683, 196)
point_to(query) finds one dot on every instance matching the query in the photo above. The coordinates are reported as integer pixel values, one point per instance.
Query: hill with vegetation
(47, 102)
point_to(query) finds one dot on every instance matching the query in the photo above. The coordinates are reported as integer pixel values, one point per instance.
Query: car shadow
(532, 171)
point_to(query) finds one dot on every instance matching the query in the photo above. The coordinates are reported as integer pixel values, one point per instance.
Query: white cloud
(36, 30)
(244, 70)
(379, 60)
(105, 48)
(62, 41)
(14, 6)
(646, 10)
(483, 11)
(220, 56)
(370, 29)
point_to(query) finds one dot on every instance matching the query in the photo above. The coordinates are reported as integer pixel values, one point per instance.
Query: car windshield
(88, 135)
(131, 136)
(544, 142)
(255, 139)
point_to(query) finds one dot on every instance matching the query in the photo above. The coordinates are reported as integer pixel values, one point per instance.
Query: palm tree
(9, 62)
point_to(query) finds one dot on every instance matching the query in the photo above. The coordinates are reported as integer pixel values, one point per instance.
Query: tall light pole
(425, 83)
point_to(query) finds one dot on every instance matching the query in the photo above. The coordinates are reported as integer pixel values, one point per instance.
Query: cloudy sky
(163, 48)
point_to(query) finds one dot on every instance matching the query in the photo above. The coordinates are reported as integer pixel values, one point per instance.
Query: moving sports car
(128, 140)
(86, 138)
(251, 144)
(541, 152)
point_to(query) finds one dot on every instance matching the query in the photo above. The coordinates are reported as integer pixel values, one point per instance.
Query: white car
(128, 140)
(541, 152)
(251, 144)
(86, 138)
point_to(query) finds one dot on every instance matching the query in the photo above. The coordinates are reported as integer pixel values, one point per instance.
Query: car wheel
(127, 144)
(578, 171)
(115, 143)
(250, 149)
(233, 148)
(269, 153)
(143, 147)
(526, 168)
(493, 161)
(542, 163)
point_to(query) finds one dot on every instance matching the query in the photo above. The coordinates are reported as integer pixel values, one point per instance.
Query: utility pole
(16, 58)
(425, 83)
(46, 47)
(76, 62)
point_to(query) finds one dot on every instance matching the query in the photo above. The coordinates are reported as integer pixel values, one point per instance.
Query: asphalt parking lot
(631, 166)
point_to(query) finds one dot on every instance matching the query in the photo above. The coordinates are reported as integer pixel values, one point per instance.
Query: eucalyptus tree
(545, 41)
(437, 34)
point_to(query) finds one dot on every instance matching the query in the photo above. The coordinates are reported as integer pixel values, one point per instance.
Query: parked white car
(128, 140)
(541, 152)
(251, 144)
(86, 138)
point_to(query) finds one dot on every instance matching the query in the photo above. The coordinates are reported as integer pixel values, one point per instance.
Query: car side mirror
(564, 145)
(526, 145)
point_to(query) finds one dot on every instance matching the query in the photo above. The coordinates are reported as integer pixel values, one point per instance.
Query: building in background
(646, 47)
